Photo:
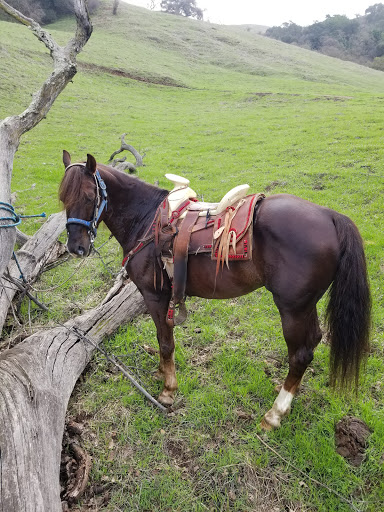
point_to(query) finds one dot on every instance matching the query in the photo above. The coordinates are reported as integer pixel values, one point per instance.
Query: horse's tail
(348, 313)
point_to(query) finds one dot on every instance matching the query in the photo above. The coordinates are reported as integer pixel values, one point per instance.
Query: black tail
(349, 308)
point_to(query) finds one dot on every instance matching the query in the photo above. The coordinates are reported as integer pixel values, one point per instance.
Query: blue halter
(101, 204)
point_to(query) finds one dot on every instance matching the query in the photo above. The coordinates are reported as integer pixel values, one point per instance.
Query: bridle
(101, 204)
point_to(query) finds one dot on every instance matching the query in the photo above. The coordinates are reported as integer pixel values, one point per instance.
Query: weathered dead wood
(36, 380)
(40, 249)
(82, 474)
(21, 238)
(127, 147)
(121, 164)
(13, 127)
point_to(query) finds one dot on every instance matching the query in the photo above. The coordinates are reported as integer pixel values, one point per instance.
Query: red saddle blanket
(227, 236)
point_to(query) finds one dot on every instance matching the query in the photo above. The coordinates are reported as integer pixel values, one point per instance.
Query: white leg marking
(280, 408)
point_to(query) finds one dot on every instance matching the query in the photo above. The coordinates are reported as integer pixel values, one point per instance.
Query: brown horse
(300, 249)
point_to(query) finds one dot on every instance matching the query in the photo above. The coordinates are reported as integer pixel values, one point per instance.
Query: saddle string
(225, 237)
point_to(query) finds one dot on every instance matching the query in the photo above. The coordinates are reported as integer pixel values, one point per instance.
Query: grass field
(220, 106)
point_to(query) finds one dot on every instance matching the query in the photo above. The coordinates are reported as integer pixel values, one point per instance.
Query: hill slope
(199, 54)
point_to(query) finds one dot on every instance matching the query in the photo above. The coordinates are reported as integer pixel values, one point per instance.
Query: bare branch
(127, 147)
(41, 34)
(84, 26)
(64, 60)
(17, 15)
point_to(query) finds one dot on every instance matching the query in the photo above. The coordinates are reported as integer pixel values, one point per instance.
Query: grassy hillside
(221, 106)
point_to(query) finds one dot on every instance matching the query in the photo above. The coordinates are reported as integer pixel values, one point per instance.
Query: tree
(374, 13)
(36, 380)
(26, 474)
(186, 8)
(12, 128)
(288, 33)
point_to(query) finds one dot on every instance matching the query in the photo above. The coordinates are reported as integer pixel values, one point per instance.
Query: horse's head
(83, 194)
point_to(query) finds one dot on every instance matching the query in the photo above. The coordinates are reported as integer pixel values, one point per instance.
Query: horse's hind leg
(302, 334)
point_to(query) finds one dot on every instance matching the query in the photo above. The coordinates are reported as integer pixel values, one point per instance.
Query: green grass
(318, 134)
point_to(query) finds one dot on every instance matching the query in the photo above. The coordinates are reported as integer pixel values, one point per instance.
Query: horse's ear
(91, 163)
(66, 158)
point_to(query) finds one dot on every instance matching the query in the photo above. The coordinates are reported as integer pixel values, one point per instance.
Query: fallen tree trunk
(21, 238)
(36, 380)
(40, 249)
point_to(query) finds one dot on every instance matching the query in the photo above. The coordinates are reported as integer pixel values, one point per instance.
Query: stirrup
(173, 320)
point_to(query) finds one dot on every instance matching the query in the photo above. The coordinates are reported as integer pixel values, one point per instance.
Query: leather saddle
(186, 226)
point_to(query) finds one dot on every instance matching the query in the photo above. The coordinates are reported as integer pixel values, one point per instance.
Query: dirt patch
(181, 455)
(274, 184)
(227, 40)
(351, 439)
(158, 80)
(265, 490)
(333, 98)
(318, 182)
(262, 94)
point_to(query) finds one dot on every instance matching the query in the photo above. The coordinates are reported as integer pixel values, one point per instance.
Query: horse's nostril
(80, 251)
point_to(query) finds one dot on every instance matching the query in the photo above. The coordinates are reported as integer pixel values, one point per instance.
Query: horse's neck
(132, 205)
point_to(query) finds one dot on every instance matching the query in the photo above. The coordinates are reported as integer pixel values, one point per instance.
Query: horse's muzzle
(78, 251)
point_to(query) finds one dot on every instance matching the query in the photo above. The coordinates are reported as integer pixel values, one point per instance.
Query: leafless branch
(127, 147)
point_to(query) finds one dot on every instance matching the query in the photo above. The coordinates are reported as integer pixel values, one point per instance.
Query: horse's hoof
(266, 426)
(158, 375)
(166, 398)
(278, 388)
(271, 420)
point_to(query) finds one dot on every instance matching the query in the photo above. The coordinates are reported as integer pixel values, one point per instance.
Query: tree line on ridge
(360, 39)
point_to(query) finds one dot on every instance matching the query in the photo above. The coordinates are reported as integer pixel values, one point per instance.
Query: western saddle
(186, 226)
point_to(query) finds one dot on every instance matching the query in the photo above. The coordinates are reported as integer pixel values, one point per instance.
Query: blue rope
(22, 276)
(15, 219)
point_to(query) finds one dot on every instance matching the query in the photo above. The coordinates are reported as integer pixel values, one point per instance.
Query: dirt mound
(351, 439)
(152, 79)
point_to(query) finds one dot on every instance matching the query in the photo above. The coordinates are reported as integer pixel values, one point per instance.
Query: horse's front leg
(158, 307)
